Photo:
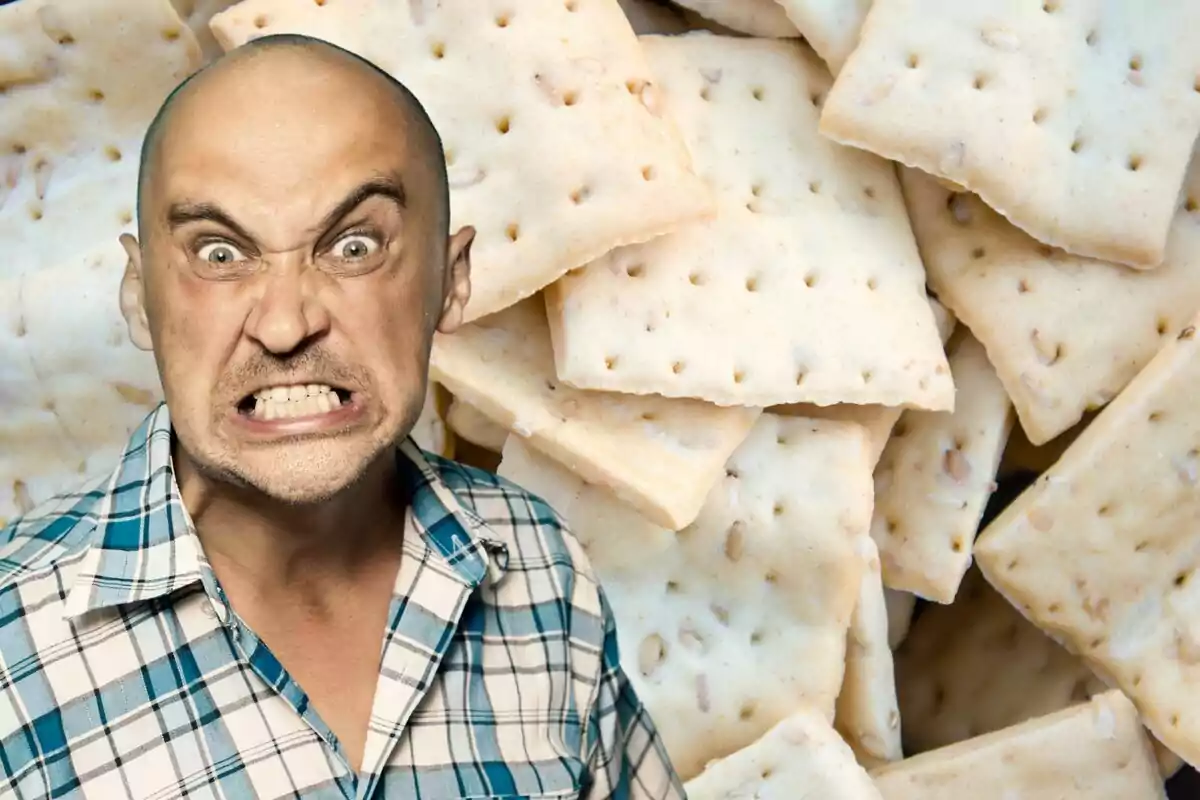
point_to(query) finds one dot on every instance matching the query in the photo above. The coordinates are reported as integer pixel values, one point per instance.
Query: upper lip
(297, 381)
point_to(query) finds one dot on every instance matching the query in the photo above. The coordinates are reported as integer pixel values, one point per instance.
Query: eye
(355, 246)
(220, 253)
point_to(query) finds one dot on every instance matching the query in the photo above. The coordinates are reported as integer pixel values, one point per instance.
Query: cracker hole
(1050, 6)
(112, 153)
(635, 270)
(705, 94)
(65, 39)
(866, 376)
(1137, 681)
(126, 217)
(978, 253)
(513, 231)
(739, 376)
(957, 545)
(746, 712)
(757, 93)
(810, 280)
(816, 99)
(572, 6)
(730, 472)
(260, 21)
(1163, 326)
(767, 772)
(756, 636)
(1174, 720)
(1155, 416)
(648, 173)
(1023, 286)
(891, 525)
(1039, 116)
(777, 509)
(1054, 608)
(18, 148)
(677, 367)
(872, 284)
(869, 191)
(800, 375)
(1092, 38)
(756, 190)
(1134, 163)
(171, 34)
(1141, 546)
(814, 187)
(35, 213)
(502, 20)
(570, 98)
(1196, 84)
(980, 82)
(781, 440)
(1190, 205)
(1135, 63)
(650, 327)
(1076, 144)
(1104, 510)
(634, 86)
(451, 157)
(96, 96)
(610, 362)
(580, 194)
(1097, 643)
(672, 587)
(696, 279)
(439, 50)
(752, 284)
(1181, 580)
(1011, 565)
(772, 577)
(504, 125)
(913, 61)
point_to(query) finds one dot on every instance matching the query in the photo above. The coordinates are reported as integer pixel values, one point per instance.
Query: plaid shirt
(124, 673)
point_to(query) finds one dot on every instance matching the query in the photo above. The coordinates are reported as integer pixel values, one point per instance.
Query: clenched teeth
(288, 402)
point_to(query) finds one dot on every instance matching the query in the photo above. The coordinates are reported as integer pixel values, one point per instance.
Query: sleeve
(627, 760)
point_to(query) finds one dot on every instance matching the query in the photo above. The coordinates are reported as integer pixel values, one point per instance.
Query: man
(276, 593)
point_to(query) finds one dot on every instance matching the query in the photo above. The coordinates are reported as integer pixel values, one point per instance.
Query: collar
(145, 545)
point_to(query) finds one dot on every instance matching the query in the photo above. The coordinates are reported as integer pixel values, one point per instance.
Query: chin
(302, 475)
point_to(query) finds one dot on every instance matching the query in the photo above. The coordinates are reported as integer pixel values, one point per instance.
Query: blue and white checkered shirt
(123, 673)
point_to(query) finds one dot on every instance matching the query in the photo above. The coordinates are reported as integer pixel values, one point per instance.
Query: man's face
(292, 275)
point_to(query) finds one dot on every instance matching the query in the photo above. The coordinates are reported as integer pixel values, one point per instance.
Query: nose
(288, 312)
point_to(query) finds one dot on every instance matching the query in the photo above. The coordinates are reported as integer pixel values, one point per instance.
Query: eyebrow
(392, 188)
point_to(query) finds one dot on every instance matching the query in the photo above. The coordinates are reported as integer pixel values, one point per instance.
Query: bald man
(275, 593)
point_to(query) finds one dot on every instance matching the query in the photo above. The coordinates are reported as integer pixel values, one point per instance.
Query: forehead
(282, 128)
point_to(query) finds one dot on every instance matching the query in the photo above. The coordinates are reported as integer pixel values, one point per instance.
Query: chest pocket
(505, 716)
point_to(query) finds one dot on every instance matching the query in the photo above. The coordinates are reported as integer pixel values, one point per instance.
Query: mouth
(294, 401)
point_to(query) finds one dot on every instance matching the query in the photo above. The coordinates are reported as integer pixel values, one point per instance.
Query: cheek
(188, 344)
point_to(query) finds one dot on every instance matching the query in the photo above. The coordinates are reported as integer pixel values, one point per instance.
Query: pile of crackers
(769, 297)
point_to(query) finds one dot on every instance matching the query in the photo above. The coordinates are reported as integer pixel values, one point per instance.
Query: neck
(287, 547)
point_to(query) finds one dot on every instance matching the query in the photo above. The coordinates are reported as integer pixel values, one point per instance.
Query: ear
(133, 295)
(457, 283)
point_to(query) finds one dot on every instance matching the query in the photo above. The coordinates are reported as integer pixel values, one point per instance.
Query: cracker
(756, 17)
(977, 666)
(1101, 551)
(648, 16)
(900, 609)
(730, 625)
(935, 477)
(1034, 308)
(1095, 750)
(562, 155)
(76, 104)
(197, 14)
(830, 26)
(657, 454)
(868, 714)
(878, 420)
(1089, 160)
(801, 758)
(473, 425)
(788, 293)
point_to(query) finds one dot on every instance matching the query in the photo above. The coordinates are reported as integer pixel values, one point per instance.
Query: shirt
(125, 674)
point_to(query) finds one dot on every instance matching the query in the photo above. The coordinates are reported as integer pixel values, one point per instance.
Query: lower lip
(346, 414)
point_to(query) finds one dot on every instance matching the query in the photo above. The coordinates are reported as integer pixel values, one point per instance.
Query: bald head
(421, 135)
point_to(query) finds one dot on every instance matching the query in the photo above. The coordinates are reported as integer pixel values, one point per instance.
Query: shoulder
(52, 535)
(535, 535)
